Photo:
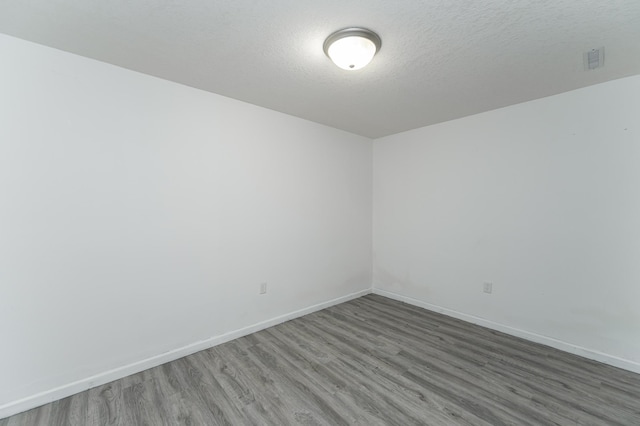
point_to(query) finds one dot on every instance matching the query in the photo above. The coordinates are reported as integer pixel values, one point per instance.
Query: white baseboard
(69, 389)
(533, 337)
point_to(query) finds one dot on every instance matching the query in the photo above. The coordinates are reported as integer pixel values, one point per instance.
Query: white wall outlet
(488, 288)
(263, 288)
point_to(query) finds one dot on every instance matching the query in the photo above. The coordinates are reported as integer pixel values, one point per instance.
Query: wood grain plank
(370, 361)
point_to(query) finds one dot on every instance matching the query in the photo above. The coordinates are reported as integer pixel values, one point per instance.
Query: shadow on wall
(357, 281)
(393, 282)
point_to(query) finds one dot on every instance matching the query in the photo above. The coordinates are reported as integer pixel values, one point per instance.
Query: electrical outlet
(488, 288)
(263, 288)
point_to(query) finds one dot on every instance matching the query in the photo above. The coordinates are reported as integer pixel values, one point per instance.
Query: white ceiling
(440, 59)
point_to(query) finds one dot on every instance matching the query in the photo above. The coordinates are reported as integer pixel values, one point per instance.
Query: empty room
(320, 213)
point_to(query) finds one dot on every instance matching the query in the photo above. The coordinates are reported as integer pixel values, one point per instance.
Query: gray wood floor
(371, 361)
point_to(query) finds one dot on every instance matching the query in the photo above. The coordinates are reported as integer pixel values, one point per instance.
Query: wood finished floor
(370, 361)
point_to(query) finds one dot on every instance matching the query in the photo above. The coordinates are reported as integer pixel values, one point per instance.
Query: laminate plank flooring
(370, 361)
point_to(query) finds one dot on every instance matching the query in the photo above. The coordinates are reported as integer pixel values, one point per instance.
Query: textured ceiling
(440, 59)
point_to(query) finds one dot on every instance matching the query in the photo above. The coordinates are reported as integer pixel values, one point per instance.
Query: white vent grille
(593, 59)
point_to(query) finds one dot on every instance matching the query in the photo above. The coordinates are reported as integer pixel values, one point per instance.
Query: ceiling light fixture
(352, 48)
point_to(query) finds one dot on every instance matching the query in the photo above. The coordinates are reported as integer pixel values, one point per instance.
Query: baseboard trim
(533, 337)
(64, 391)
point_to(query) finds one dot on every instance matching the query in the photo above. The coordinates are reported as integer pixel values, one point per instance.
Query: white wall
(138, 216)
(540, 198)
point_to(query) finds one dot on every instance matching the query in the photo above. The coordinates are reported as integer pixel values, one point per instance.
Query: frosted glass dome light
(352, 48)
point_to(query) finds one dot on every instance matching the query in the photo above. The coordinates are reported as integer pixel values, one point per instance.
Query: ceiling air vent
(593, 59)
